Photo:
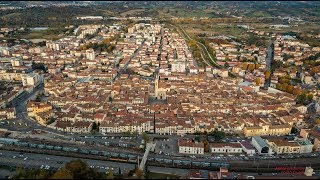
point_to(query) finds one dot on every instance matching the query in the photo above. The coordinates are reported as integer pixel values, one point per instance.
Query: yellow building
(267, 130)
(44, 117)
(281, 147)
(37, 107)
(42, 112)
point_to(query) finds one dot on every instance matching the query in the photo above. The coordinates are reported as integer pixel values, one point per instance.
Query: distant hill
(38, 13)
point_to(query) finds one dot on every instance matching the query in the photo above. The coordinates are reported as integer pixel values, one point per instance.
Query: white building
(223, 73)
(32, 79)
(6, 51)
(305, 146)
(178, 66)
(16, 62)
(261, 145)
(303, 109)
(187, 146)
(226, 148)
(56, 46)
(90, 54)
(247, 147)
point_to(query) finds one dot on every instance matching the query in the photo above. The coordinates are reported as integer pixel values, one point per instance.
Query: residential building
(31, 79)
(265, 130)
(226, 148)
(247, 147)
(90, 54)
(282, 147)
(187, 146)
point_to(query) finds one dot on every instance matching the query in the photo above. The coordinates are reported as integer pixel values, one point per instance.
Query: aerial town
(147, 98)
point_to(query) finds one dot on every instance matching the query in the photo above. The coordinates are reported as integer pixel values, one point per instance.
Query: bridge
(150, 146)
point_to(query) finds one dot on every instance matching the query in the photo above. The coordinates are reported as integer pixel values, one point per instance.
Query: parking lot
(42, 161)
(165, 146)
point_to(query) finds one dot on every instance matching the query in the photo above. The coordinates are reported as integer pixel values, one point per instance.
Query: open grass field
(216, 29)
(194, 28)
(41, 35)
(132, 12)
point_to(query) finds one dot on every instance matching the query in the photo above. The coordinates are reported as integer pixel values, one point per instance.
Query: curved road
(203, 46)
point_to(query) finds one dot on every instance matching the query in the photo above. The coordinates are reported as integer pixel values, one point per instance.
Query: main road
(269, 59)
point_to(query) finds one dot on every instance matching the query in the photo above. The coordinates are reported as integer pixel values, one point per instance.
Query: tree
(218, 135)
(301, 98)
(94, 127)
(120, 172)
(63, 173)
(197, 138)
(251, 67)
(278, 86)
(145, 137)
(244, 66)
(39, 66)
(80, 170)
(38, 98)
(206, 145)
(42, 174)
(314, 70)
(294, 70)
(294, 130)
(284, 87)
(317, 121)
(139, 173)
(297, 91)
(309, 97)
(257, 81)
(267, 74)
(226, 65)
(290, 89)
(83, 47)
(110, 174)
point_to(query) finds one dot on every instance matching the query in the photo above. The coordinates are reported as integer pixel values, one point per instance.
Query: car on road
(25, 158)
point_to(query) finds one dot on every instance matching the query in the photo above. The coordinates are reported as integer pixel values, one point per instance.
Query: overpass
(150, 146)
